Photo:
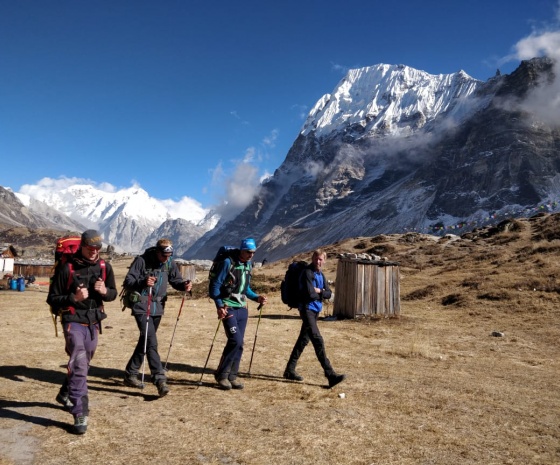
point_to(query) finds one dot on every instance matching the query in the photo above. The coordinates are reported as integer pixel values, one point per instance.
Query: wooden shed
(33, 269)
(187, 269)
(367, 288)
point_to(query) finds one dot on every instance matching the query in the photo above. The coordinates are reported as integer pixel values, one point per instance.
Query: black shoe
(162, 388)
(292, 375)
(64, 400)
(236, 384)
(80, 424)
(335, 379)
(132, 381)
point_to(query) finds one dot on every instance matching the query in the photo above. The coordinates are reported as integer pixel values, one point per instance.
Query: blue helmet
(248, 244)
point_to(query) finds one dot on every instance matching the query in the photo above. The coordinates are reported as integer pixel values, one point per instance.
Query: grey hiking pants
(81, 342)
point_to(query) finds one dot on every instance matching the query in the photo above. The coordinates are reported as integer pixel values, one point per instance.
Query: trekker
(314, 289)
(149, 275)
(79, 290)
(233, 273)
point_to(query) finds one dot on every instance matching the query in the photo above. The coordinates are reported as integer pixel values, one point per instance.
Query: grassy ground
(431, 387)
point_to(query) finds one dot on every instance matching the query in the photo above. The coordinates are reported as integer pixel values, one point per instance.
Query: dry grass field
(431, 387)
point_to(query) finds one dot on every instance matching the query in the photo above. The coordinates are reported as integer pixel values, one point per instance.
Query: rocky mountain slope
(38, 215)
(398, 164)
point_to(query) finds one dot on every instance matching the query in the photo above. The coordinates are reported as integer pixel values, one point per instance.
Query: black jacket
(166, 273)
(64, 285)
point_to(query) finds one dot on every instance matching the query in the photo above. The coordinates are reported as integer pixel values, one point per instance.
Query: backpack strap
(103, 266)
(72, 310)
(70, 275)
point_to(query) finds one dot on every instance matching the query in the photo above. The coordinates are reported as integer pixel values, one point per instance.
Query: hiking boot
(335, 379)
(292, 375)
(224, 384)
(236, 384)
(132, 381)
(64, 400)
(80, 424)
(162, 388)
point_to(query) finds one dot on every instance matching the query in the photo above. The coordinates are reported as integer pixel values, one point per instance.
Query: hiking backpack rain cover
(290, 287)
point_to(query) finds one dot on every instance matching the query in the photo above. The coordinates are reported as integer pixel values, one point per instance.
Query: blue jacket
(232, 285)
(311, 279)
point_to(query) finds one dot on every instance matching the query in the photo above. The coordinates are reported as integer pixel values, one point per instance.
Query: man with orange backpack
(79, 288)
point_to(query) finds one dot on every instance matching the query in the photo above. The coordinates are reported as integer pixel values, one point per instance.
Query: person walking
(314, 288)
(149, 275)
(230, 290)
(79, 288)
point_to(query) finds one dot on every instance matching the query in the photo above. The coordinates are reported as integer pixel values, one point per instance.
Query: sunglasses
(93, 248)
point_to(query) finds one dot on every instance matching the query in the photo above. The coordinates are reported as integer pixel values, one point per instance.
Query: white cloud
(250, 154)
(544, 100)
(313, 168)
(236, 189)
(339, 68)
(185, 208)
(302, 111)
(270, 140)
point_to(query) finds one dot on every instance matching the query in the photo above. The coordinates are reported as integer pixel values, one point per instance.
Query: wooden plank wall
(32, 270)
(188, 272)
(366, 288)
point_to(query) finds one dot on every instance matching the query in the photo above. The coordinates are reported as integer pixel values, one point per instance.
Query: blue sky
(199, 99)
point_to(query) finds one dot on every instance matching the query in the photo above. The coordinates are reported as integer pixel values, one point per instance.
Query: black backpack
(225, 251)
(290, 287)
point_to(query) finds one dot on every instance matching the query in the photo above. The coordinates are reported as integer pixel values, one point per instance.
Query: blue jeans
(234, 325)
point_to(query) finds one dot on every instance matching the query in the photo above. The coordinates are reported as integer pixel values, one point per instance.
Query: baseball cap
(248, 244)
(91, 238)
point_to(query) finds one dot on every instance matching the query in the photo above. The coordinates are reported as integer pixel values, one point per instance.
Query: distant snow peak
(387, 99)
(125, 217)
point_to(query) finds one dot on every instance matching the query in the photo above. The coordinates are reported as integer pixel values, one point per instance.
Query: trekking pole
(255, 341)
(146, 335)
(54, 322)
(173, 335)
(209, 352)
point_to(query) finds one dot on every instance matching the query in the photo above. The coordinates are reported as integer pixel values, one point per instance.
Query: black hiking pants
(154, 361)
(310, 332)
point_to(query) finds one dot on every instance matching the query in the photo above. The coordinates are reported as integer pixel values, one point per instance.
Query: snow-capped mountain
(390, 100)
(21, 210)
(126, 218)
(393, 149)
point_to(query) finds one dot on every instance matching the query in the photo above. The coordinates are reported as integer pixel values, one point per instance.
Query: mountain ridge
(474, 160)
(391, 149)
